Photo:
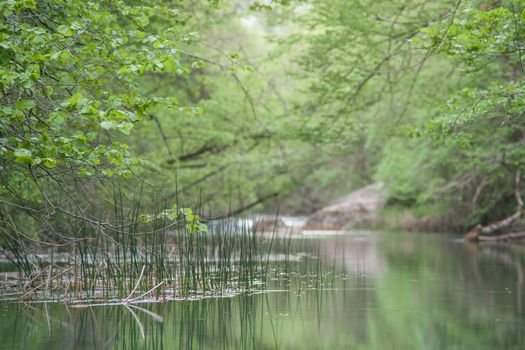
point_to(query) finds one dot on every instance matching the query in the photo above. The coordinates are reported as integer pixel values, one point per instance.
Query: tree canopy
(228, 106)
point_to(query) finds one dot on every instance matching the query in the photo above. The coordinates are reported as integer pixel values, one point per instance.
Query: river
(373, 290)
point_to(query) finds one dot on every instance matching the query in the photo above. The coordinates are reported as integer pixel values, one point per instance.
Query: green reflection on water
(403, 291)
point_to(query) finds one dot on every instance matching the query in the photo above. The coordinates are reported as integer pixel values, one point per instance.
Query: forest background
(242, 106)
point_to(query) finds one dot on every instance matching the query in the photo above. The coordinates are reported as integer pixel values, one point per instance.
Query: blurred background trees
(233, 105)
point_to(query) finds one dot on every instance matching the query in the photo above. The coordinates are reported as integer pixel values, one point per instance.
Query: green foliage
(432, 93)
(70, 90)
(197, 103)
(184, 216)
(70, 74)
(480, 128)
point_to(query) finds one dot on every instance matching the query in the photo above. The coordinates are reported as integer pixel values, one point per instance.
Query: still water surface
(376, 291)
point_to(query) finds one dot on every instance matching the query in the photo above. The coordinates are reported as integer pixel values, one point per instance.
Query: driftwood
(502, 237)
(483, 233)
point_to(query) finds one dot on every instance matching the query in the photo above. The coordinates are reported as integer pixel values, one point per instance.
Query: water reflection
(377, 291)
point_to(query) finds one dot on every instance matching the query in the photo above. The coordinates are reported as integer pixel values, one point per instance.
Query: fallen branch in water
(503, 237)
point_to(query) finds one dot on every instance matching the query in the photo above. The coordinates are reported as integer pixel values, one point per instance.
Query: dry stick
(10, 294)
(503, 237)
(141, 327)
(149, 291)
(47, 319)
(41, 284)
(97, 273)
(66, 290)
(137, 284)
(502, 223)
(149, 313)
(49, 278)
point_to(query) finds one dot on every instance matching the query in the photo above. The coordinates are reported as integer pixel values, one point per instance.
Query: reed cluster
(140, 260)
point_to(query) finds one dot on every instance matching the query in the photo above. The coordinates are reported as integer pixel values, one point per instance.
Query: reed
(131, 259)
(134, 257)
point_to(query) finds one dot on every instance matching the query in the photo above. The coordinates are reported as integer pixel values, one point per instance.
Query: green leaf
(57, 118)
(6, 111)
(6, 55)
(65, 30)
(107, 125)
(34, 70)
(29, 4)
(22, 155)
(66, 57)
(25, 104)
(77, 100)
(49, 162)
